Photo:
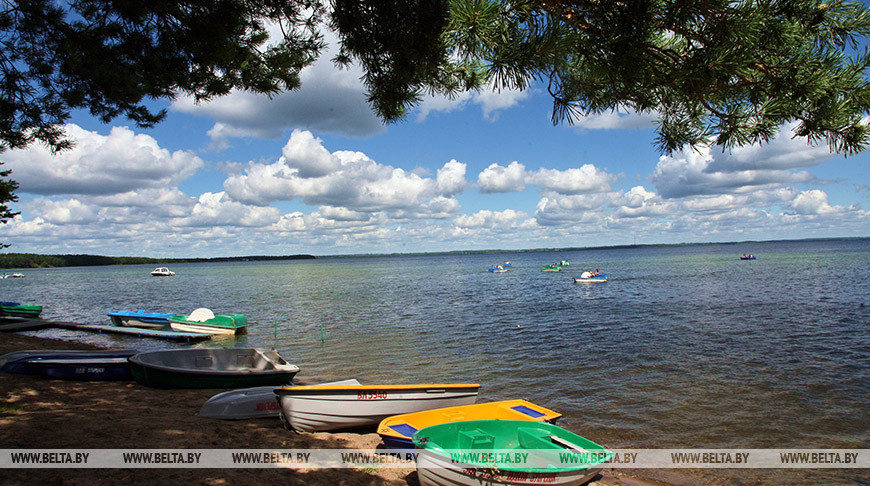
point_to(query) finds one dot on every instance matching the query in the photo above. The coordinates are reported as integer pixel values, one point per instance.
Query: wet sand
(37, 413)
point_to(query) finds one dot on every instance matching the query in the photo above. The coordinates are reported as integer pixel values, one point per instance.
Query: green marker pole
(322, 338)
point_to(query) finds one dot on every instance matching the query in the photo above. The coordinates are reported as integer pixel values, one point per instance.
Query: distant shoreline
(33, 260)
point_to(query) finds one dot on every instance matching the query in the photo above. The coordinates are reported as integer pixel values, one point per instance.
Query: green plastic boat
(19, 310)
(203, 320)
(505, 452)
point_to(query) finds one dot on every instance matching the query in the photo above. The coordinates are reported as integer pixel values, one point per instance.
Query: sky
(314, 171)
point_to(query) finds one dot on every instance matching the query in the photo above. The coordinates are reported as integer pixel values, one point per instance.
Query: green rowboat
(499, 452)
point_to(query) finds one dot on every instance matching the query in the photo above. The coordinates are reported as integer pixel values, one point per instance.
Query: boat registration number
(375, 395)
(84, 371)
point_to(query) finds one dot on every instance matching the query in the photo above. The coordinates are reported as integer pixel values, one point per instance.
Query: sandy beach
(39, 413)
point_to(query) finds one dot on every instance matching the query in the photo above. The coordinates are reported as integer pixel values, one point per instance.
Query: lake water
(685, 346)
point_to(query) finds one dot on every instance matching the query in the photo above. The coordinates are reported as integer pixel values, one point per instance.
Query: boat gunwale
(444, 455)
(424, 445)
(384, 428)
(288, 390)
(279, 368)
(137, 314)
(208, 323)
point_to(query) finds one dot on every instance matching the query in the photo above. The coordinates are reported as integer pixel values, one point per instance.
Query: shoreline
(39, 413)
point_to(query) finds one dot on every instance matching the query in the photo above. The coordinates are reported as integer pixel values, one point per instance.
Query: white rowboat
(318, 408)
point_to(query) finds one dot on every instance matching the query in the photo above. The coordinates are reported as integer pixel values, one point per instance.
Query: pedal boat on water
(140, 319)
(14, 309)
(204, 321)
(589, 277)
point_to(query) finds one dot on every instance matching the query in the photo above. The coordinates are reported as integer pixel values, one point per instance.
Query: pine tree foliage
(111, 57)
(7, 195)
(730, 72)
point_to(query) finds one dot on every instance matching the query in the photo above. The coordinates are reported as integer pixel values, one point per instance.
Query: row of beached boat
(201, 321)
(438, 420)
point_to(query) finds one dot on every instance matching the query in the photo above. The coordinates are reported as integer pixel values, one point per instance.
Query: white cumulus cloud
(351, 180)
(100, 164)
(585, 179)
(812, 202)
(689, 172)
(497, 178)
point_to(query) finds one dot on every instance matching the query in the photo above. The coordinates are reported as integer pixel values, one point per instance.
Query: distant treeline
(32, 260)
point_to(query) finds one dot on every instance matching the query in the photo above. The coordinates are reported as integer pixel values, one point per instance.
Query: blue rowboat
(141, 318)
(71, 364)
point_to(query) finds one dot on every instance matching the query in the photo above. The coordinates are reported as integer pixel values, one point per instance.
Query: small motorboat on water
(497, 269)
(397, 431)
(204, 321)
(162, 272)
(211, 368)
(590, 277)
(550, 454)
(317, 408)
(141, 319)
(552, 268)
(72, 364)
(747, 257)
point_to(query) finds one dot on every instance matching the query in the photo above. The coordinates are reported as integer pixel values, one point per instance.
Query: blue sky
(314, 171)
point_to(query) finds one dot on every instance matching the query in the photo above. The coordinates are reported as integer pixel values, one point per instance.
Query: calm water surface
(684, 347)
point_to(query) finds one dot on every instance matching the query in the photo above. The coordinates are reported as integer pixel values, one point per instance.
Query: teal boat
(15, 309)
(203, 320)
(505, 452)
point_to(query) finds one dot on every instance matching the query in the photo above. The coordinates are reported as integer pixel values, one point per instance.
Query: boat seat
(475, 439)
(531, 438)
(204, 362)
(201, 315)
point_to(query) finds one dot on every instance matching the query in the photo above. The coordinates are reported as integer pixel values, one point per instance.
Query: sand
(40, 413)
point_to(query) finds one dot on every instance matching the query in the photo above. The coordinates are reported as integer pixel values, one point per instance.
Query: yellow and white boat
(396, 431)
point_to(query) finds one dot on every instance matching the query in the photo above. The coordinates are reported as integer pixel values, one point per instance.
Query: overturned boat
(70, 364)
(248, 403)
